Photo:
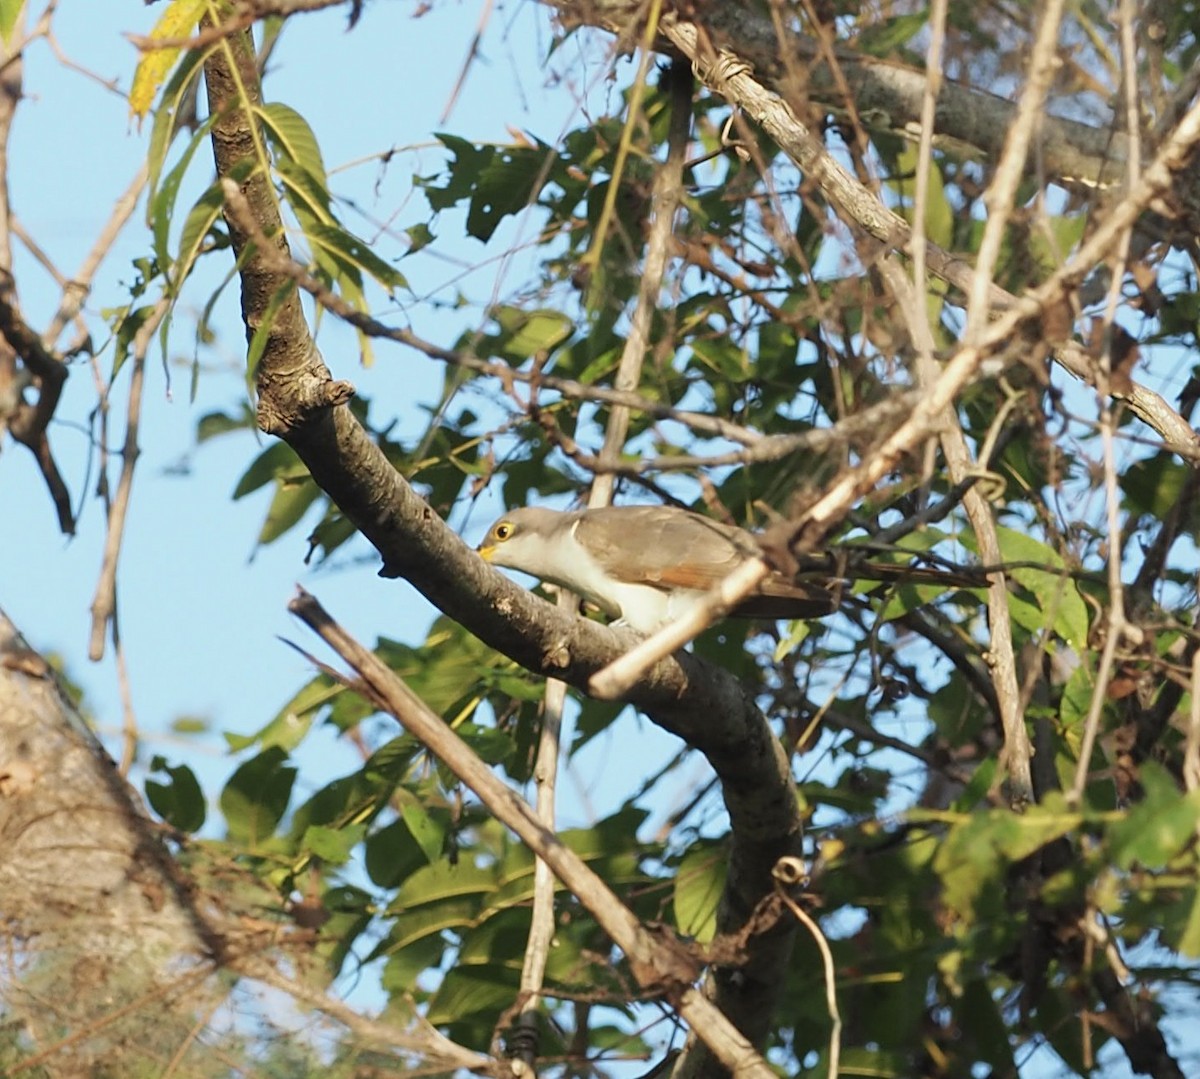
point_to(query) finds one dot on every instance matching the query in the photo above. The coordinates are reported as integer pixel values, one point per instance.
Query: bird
(644, 566)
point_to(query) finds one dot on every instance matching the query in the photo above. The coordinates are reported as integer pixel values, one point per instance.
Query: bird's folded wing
(663, 548)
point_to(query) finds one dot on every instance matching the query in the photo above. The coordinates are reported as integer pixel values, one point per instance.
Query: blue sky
(201, 609)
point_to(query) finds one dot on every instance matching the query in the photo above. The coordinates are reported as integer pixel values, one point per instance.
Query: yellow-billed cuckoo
(644, 565)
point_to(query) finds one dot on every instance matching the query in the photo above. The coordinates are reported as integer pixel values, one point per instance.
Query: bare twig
(245, 13)
(668, 188)
(1117, 625)
(104, 602)
(788, 875)
(426, 1041)
(1191, 748)
(280, 262)
(616, 679)
(1017, 749)
(1011, 167)
(933, 84)
(76, 290)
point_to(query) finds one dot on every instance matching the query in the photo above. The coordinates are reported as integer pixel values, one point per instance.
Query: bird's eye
(503, 531)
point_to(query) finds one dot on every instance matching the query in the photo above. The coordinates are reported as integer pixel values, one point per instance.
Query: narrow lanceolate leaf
(161, 205)
(201, 217)
(293, 138)
(166, 116)
(178, 20)
(353, 255)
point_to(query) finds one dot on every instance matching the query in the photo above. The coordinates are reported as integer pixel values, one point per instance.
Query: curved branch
(300, 402)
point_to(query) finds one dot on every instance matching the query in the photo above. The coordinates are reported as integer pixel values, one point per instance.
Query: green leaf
(415, 923)
(724, 357)
(179, 802)
(404, 965)
(508, 182)
(160, 209)
(976, 852)
(166, 116)
(291, 724)
(1158, 828)
(887, 35)
(199, 222)
(1189, 941)
(256, 797)
(470, 990)
(345, 800)
(277, 460)
(306, 194)
(419, 236)
(126, 331)
(291, 501)
(467, 163)
(444, 880)
(424, 829)
(529, 333)
(213, 424)
(939, 214)
(353, 254)
(292, 137)
(1050, 252)
(1058, 598)
(393, 855)
(262, 332)
(333, 845)
(1154, 485)
(699, 882)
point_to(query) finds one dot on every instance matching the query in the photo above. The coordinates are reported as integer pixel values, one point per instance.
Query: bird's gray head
(520, 538)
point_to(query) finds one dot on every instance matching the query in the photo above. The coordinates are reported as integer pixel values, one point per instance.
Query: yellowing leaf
(178, 20)
(10, 12)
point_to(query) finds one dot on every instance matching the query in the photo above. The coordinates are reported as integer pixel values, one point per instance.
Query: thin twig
(275, 259)
(616, 679)
(1011, 167)
(76, 290)
(961, 467)
(1117, 626)
(933, 84)
(158, 994)
(668, 188)
(830, 972)
(105, 600)
(1191, 745)
(427, 1041)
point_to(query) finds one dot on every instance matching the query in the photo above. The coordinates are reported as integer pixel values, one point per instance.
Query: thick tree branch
(300, 402)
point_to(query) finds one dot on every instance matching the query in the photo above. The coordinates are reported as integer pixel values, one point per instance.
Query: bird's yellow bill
(486, 552)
